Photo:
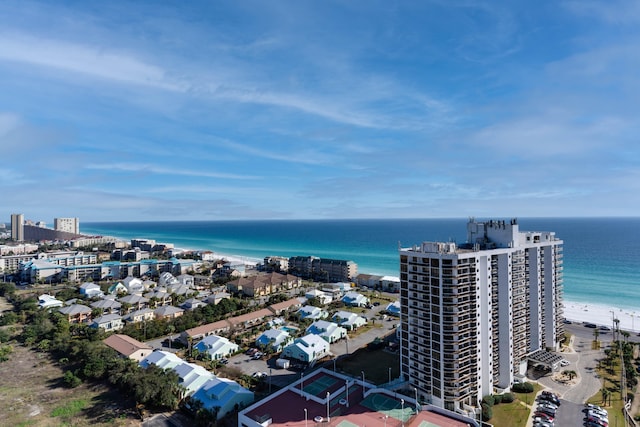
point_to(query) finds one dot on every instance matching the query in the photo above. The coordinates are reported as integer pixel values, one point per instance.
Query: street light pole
(328, 418)
(305, 417)
(389, 374)
(402, 412)
(416, 390)
(346, 385)
(362, 384)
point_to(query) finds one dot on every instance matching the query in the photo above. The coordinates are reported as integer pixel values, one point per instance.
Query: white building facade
(472, 313)
(68, 225)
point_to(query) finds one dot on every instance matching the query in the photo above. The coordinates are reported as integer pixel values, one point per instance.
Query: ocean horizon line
(136, 221)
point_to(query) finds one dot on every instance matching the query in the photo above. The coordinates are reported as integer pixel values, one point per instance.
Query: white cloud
(176, 171)
(83, 59)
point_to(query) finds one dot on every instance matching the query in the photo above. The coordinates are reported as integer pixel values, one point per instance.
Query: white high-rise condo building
(69, 225)
(17, 227)
(471, 314)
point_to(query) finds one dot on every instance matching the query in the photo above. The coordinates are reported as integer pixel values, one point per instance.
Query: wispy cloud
(168, 171)
(83, 59)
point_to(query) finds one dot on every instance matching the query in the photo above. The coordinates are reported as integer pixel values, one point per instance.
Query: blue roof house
(224, 394)
(274, 339)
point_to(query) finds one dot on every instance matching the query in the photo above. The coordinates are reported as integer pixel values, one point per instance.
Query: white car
(564, 362)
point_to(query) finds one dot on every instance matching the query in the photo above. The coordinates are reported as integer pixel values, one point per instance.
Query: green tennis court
(345, 423)
(388, 406)
(318, 386)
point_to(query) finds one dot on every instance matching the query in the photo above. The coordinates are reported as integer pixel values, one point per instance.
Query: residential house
(350, 321)
(134, 285)
(186, 279)
(167, 279)
(117, 289)
(322, 297)
(215, 298)
(192, 304)
(393, 309)
(216, 347)
(199, 332)
(223, 396)
(162, 359)
(355, 299)
(168, 312)
(108, 322)
(91, 290)
(307, 349)
(46, 301)
(274, 340)
(137, 316)
(329, 331)
(251, 319)
(76, 313)
(284, 307)
(107, 305)
(312, 312)
(134, 301)
(128, 347)
(191, 376)
(158, 297)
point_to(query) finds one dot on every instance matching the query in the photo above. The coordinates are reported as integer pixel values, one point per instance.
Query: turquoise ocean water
(601, 255)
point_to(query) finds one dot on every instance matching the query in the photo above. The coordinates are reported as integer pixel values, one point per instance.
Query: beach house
(273, 340)
(311, 312)
(329, 331)
(307, 349)
(355, 299)
(223, 395)
(108, 322)
(215, 347)
(349, 320)
(91, 290)
(128, 347)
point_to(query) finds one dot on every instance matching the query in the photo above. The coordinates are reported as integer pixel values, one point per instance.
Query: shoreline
(574, 311)
(602, 315)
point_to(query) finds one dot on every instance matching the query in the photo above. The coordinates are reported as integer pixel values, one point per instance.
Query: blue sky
(200, 110)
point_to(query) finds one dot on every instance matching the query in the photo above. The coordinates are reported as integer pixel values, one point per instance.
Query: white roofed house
(108, 322)
(46, 301)
(308, 349)
(311, 312)
(167, 279)
(355, 299)
(274, 340)
(322, 297)
(350, 321)
(329, 331)
(186, 279)
(91, 290)
(133, 285)
(216, 347)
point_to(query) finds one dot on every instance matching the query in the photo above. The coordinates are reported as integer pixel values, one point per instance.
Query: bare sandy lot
(31, 394)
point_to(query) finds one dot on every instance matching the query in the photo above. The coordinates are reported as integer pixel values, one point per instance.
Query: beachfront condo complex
(473, 313)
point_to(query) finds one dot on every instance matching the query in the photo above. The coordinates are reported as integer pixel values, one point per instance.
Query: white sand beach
(602, 315)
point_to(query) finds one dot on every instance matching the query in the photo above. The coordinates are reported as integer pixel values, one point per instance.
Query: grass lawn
(375, 365)
(516, 413)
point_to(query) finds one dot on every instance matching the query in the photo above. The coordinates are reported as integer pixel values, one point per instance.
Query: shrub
(487, 412)
(488, 400)
(71, 380)
(497, 399)
(523, 388)
(508, 398)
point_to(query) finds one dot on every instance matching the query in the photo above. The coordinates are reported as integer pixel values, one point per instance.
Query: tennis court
(388, 406)
(320, 385)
